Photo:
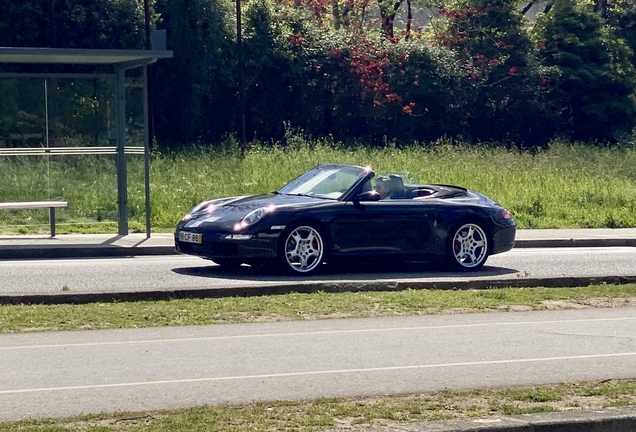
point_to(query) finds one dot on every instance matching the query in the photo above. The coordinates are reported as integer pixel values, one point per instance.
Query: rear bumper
(503, 240)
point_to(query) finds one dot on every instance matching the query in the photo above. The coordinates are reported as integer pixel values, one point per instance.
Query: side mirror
(368, 196)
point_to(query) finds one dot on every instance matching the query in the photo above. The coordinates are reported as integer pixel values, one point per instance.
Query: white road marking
(310, 373)
(310, 333)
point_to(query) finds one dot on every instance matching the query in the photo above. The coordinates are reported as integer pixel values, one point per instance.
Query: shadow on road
(358, 272)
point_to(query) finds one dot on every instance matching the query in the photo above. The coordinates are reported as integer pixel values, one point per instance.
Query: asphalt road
(177, 272)
(71, 373)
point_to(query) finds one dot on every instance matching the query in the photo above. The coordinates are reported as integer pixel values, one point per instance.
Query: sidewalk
(84, 245)
(103, 245)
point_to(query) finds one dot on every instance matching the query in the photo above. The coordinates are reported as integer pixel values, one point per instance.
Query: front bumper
(214, 245)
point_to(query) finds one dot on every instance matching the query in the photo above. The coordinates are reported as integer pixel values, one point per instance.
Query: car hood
(224, 213)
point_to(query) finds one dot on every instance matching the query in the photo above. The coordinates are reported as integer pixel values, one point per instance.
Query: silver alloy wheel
(304, 249)
(470, 246)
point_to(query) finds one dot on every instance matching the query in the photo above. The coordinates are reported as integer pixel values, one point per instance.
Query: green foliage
(319, 69)
(433, 96)
(274, 78)
(591, 76)
(22, 23)
(623, 20)
(492, 42)
(105, 24)
(346, 85)
(195, 92)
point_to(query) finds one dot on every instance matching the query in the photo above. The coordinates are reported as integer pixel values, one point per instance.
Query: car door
(392, 226)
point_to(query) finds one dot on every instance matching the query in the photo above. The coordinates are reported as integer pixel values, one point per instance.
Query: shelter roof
(114, 57)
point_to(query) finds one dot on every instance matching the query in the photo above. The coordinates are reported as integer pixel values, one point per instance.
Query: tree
(593, 78)
(492, 44)
(72, 24)
(196, 93)
(622, 17)
(23, 23)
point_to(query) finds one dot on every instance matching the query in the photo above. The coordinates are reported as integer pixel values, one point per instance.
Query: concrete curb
(65, 297)
(620, 419)
(591, 242)
(51, 252)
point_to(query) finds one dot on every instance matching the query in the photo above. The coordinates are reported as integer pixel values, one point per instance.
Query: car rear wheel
(468, 248)
(302, 249)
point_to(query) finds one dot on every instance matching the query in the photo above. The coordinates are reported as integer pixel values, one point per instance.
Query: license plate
(189, 237)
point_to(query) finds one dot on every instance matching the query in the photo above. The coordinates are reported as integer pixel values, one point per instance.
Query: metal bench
(51, 205)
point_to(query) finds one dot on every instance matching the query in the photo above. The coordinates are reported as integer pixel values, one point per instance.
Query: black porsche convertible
(338, 213)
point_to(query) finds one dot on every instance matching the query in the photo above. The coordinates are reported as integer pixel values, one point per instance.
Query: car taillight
(505, 214)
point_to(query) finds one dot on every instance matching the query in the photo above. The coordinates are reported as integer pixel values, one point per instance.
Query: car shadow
(356, 272)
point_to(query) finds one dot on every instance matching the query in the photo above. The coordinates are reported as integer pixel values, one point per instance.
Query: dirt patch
(437, 407)
(594, 302)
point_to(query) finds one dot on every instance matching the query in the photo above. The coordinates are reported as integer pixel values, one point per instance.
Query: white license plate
(189, 237)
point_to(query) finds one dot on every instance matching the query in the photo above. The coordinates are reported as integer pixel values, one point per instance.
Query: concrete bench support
(51, 205)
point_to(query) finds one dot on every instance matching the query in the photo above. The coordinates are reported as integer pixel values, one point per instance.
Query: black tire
(302, 249)
(467, 247)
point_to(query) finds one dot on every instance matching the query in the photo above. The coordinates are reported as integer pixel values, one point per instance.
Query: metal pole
(46, 132)
(146, 152)
(122, 182)
(52, 220)
(241, 66)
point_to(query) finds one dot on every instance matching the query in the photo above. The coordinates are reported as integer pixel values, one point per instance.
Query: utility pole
(151, 111)
(241, 79)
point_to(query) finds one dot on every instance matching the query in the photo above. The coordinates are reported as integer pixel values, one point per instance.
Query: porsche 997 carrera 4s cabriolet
(340, 213)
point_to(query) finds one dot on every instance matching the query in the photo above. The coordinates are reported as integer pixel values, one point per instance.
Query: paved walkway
(85, 245)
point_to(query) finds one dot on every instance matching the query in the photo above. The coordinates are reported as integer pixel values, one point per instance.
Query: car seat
(397, 187)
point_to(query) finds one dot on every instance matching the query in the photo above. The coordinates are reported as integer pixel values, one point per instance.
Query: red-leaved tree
(493, 46)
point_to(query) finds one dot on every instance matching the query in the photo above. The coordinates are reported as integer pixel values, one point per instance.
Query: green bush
(346, 85)
(491, 40)
(592, 78)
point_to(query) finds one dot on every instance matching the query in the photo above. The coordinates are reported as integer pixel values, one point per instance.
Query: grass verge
(567, 186)
(321, 305)
(352, 414)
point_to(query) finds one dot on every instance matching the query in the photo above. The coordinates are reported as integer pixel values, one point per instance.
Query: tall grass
(567, 186)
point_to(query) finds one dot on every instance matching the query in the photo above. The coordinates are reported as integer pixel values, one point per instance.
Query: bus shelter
(117, 62)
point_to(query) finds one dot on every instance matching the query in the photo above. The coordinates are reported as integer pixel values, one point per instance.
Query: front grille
(220, 248)
(210, 248)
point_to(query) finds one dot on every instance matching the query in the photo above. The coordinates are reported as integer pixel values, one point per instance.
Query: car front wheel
(468, 248)
(302, 250)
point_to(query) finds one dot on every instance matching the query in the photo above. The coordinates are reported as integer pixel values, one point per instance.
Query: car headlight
(254, 216)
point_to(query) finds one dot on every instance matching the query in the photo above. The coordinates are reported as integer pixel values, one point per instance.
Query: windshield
(325, 181)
